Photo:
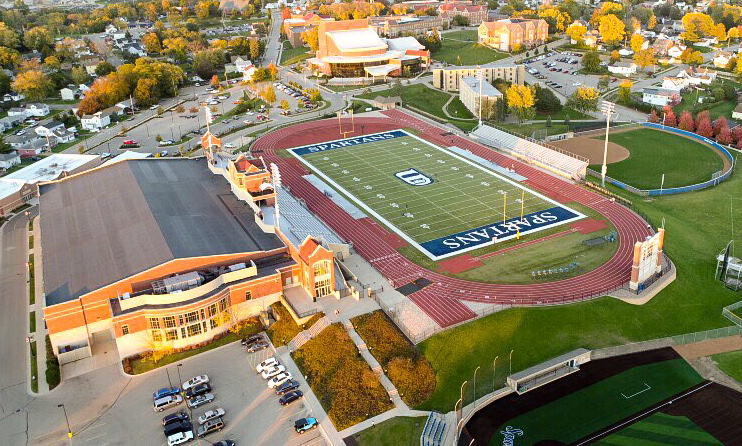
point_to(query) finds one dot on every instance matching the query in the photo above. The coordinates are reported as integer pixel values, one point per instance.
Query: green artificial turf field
(661, 429)
(654, 152)
(593, 408)
(425, 193)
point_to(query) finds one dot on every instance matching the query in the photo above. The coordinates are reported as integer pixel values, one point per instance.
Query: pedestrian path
(39, 335)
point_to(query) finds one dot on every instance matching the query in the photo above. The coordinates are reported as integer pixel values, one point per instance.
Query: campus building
(449, 78)
(172, 252)
(408, 25)
(295, 25)
(353, 49)
(470, 91)
(476, 14)
(511, 34)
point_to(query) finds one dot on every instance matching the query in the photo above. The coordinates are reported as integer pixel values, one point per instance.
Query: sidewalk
(40, 334)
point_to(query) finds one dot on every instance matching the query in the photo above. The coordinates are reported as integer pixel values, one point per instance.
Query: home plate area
(438, 201)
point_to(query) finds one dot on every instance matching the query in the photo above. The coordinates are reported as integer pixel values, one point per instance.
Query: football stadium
(427, 208)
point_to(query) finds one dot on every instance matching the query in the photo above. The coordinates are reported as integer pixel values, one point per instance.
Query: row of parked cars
(177, 426)
(294, 93)
(283, 384)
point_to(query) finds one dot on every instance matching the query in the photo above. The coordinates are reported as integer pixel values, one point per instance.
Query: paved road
(13, 319)
(273, 45)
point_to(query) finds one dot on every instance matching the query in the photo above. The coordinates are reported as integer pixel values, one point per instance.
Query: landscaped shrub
(409, 371)
(53, 374)
(284, 329)
(342, 381)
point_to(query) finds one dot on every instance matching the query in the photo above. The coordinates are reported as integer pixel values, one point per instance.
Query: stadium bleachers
(299, 222)
(562, 163)
(434, 430)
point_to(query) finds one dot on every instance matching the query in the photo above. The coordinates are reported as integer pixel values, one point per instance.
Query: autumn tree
(151, 43)
(37, 38)
(669, 120)
(611, 29)
(584, 99)
(652, 24)
(719, 124)
(8, 37)
(576, 32)
(285, 104)
(9, 58)
(695, 26)
(636, 43)
(705, 129)
(624, 91)
(645, 58)
(724, 136)
(146, 92)
(272, 71)
(615, 57)
(520, 101)
(653, 117)
(80, 75)
(33, 84)
(591, 61)
(686, 122)
(254, 49)
(269, 94)
(311, 38)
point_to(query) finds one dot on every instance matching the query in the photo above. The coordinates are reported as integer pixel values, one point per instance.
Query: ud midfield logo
(414, 178)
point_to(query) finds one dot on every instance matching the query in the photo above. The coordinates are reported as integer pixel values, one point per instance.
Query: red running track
(442, 300)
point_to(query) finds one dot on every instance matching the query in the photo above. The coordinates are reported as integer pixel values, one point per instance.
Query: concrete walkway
(38, 307)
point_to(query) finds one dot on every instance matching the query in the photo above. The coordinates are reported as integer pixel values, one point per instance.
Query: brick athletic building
(169, 252)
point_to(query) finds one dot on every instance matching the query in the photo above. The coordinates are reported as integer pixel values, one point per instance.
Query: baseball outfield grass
(661, 429)
(654, 152)
(730, 363)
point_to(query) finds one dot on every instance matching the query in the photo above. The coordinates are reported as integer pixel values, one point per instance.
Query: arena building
(353, 49)
(172, 252)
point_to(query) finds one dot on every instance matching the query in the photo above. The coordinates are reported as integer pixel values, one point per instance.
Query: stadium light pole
(607, 108)
(480, 76)
(494, 368)
(475, 386)
(510, 364)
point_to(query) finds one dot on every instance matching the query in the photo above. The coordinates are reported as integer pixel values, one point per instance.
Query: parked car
(279, 379)
(130, 142)
(304, 424)
(250, 339)
(229, 145)
(225, 443)
(210, 426)
(260, 345)
(180, 426)
(200, 400)
(174, 417)
(198, 390)
(179, 438)
(273, 371)
(164, 153)
(290, 397)
(154, 107)
(167, 402)
(167, 142)
(268, 363)
(287, 386)
(210, 415)
(165, 391)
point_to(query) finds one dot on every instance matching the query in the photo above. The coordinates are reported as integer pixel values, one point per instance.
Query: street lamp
(475, 386)
(607, 108)
(180, 380)
(494, 367)
(69, 431)
(510, 365)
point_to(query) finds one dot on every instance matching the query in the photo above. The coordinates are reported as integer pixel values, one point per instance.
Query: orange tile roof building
(505, 34)
(352, 49)
(169, 253)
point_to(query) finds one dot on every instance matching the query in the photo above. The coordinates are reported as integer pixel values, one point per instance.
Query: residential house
(70, 93)
(34, 147)
(697, 76)
(674, 83)
(662, 45)
(677, 26)
(660, 97)
(37, 110)
(622, 68)
(676, 51)
(737, 113)
(96, 121)
(17, 141)
(13, 97)
(8, 160)
(707, 42)
(722, 59)
(9, 122)
(90, 63)
(241, 64)
(48, 127)
(17, 111)
(508, 34)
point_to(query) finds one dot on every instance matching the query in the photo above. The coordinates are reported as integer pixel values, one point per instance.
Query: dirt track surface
(592, 149)
(709, 347)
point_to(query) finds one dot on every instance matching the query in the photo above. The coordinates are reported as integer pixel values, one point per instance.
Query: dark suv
(175, 417)
(288, 386)
(210, 426)
(198, 390)
(179, 426)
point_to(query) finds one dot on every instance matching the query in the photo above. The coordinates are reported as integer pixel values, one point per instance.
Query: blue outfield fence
(699, 186)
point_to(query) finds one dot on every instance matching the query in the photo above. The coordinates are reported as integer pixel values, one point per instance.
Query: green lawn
(716, 109)
(730, 363)
(34, 368)
(528, 129)
(691, 303)
(654, 152)
(32, 322)
(398, 431)
(284, 329)
(31, 280)
(461, 48)
(661, 429)
(590, 409)
(457, 109)
(562, 114)
(290, 55)
(428, 100)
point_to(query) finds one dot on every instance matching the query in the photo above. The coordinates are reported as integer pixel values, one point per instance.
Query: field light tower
(480, 76)
(607, 108)
(276, 177)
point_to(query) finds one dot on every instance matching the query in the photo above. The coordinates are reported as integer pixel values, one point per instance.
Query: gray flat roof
(111, 223)
(548, 364)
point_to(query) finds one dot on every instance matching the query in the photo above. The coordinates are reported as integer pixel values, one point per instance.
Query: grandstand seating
(300, 222)
(434, 430)
(563, 163)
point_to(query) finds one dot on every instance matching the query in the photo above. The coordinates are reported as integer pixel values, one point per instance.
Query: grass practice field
(440, 202)
(461, 48)
(661, 429)
(593, 408)
(730, 363)
(654, 152)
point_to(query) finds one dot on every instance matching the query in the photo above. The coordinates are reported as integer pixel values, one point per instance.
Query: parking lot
(253, 415)
(559, 70)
